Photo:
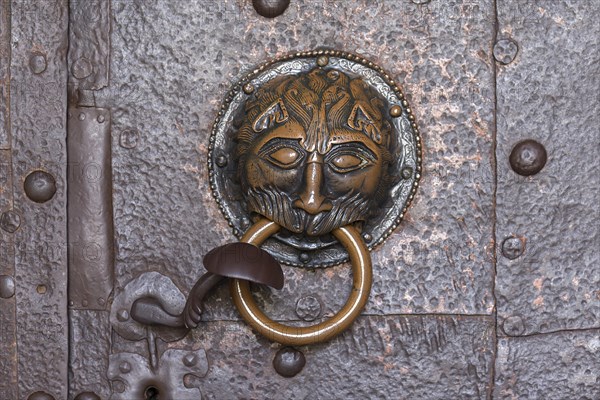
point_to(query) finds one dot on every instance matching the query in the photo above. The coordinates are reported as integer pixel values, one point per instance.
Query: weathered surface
(5, 75)
(555, 366)
(8, 316)
(171, 65)
(89, 352)
(38, 119)
(550, 93)
(380, 357)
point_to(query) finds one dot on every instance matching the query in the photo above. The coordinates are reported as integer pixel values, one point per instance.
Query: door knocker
(315, 158)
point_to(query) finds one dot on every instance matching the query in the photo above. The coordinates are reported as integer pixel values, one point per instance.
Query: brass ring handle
(362, 275)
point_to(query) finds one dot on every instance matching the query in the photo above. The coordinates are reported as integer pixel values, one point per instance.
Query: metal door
(489, 288)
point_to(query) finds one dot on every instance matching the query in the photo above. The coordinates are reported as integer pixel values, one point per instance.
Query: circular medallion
(314, 141)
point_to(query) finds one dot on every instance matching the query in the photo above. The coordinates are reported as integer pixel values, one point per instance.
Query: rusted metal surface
(5, 52)
(38, 130)
(90, 224)
(89, 43)
(549, 94)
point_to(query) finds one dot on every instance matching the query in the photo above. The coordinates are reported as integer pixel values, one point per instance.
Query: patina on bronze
(315, 141)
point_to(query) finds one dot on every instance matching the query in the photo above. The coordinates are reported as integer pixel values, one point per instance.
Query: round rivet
(367, 237)
(118, 386)
(513, 326)
(10, 221)
(40, 396)
(82, 68)
(38, 63)
(41, 289)
(122, 315)
(81, 116)
(304, 257)
(308, 308)
(84, 303)
(129, 138)
(270, 8)
(322, 61)
(528, 157)
(248, 88)
(7, 286)
(512, 247)
(124, 367)
(39, 186)
(190, 359)
(505, 51)
(221, 160)
(100, 119)
(87, 396)
(407, 172)
(288, 362)
(395, 111)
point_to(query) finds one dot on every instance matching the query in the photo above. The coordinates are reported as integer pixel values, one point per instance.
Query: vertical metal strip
(38, 122)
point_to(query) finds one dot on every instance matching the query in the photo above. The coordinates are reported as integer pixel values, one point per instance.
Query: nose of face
(311, 199)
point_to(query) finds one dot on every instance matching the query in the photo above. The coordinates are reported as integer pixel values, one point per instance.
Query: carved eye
(285, 157)
(346, 162)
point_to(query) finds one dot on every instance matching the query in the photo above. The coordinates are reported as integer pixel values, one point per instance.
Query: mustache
(277, 206)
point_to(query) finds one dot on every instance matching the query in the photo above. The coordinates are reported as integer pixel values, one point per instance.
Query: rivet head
(395, 111)
(248, 88)
(40, 396)
(505, 51)
(87, 396)
(512, 247)
(528, 157)
(10, 221)
(513, 326)
(129, 138)
(100, 119)
(322, 61)
(367, 237)
(407, 172)
(37, 63)
(304, 257)
(190, 359)
(7, 286)
(308, 308)
(82, 68)
(40, 186)
(124, 367)
(289, 362)
(221, 160)
(122, 315)
(270, 8)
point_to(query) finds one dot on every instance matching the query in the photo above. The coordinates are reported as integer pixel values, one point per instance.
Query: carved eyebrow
(353, 147)
(280, 142)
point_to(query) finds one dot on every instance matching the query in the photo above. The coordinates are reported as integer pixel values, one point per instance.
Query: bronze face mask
(315, 151)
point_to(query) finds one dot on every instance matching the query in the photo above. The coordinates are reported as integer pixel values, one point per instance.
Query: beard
(277, 206)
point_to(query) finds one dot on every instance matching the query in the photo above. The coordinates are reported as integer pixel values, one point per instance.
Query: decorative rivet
(513, 326)
(190, 359)
(129, 138)
(84, 303)
(124, 367)
(81, 116)
(407, 172)
(513, 247)
(288, 362)
(304, 257)
(82, 68)
(248, 88)
(395, 111)
(38, 63)
(41, 289)
(528, 157)
(308, 308)
(40, 396)
(322, 61)
(7, 286)
(40, 186)
(505, 51)
(10, 221)
(367, 237)
(118, 386)
(101, 301)
(221, 160)
(87, 396)
(100, 119)
(420, 2)
(122, 315)
(270, 8)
